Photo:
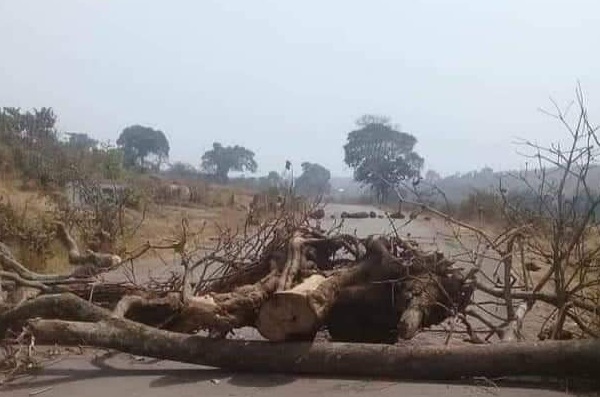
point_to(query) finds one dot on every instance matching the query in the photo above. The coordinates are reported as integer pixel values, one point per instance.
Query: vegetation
(381, 156)
(220, 160)
(138, 142)
(314, 180)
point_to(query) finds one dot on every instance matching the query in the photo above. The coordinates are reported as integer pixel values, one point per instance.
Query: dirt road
(123, 375)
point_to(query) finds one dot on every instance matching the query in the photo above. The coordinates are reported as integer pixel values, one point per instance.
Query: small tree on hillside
(381, 156)
(138, 142)
(220, 160)
(314, 180)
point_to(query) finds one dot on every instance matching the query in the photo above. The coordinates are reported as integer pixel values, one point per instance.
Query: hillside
(457, 187)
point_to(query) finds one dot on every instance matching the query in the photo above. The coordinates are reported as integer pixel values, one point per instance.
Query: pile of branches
(288, 279)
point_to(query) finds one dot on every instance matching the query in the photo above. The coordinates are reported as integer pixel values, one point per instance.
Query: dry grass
(222, 207)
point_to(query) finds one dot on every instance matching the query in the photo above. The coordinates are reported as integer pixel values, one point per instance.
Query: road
(123, 375)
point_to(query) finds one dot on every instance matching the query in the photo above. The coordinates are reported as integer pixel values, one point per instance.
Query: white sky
(287, 79)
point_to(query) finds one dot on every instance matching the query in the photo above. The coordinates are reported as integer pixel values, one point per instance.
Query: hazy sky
(288, 79)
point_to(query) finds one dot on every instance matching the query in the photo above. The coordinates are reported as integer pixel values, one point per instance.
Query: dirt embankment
(27, 214)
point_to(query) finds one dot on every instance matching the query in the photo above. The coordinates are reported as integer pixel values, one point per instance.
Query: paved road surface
(123, 375)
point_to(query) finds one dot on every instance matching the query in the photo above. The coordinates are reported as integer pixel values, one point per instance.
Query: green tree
(138, 142)
(220, 160)
(314, 180)
(34, 127)
(381, 156)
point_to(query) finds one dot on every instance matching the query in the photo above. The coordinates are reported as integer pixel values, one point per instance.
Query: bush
(481, 205)
(30, 237)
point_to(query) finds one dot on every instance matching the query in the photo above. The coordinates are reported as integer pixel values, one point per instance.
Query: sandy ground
(91, 374)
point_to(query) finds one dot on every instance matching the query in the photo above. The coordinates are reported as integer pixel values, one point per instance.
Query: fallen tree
(556, 358)
(291, 282)
(295, 295)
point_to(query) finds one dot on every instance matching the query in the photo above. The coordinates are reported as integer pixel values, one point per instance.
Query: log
(64, 306)
(396, 215)
(298, 313)
(553, 358)
(223, 312)
(354, 215)
(93, 262)
(290, 315)
(294, 263)
(365, 313)
(429, 292)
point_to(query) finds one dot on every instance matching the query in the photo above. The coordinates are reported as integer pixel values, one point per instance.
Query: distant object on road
(355, 215)
(397, 215)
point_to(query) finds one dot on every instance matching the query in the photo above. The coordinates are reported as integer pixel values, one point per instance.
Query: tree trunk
(365, 313)
(291, 314)
(298, 313)
(553, 358)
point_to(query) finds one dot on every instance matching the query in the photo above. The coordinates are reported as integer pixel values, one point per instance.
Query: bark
(296, 261)
(298, 313)
(365, 313)
(289, 315)
(554, 358)
(63, 306)
(96, 262)
(428, 292)
(223, 312)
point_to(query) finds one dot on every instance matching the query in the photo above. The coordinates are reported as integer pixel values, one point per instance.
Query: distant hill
(458, 187)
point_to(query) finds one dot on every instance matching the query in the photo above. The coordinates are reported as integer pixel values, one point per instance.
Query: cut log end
(287, 316)
(291, 315)
(410, 323)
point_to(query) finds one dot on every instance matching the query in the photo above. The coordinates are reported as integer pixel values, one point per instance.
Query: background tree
(381, 156)
(220, 160)
(274, 178)
(313, 181)
(138, 142)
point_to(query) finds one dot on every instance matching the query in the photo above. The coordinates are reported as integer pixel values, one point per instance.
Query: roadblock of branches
(325, 302)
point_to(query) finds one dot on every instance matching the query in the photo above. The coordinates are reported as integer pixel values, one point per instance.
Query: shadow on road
(100, 370)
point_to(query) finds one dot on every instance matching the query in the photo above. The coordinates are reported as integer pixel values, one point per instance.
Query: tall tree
(220, 160)
(138, 142)
(314, 180)
(34, 127)
(381, 156)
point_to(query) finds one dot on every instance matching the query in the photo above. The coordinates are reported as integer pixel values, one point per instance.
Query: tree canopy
(220, 160)
(138, 142)
(381, 156)
(314, 180)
